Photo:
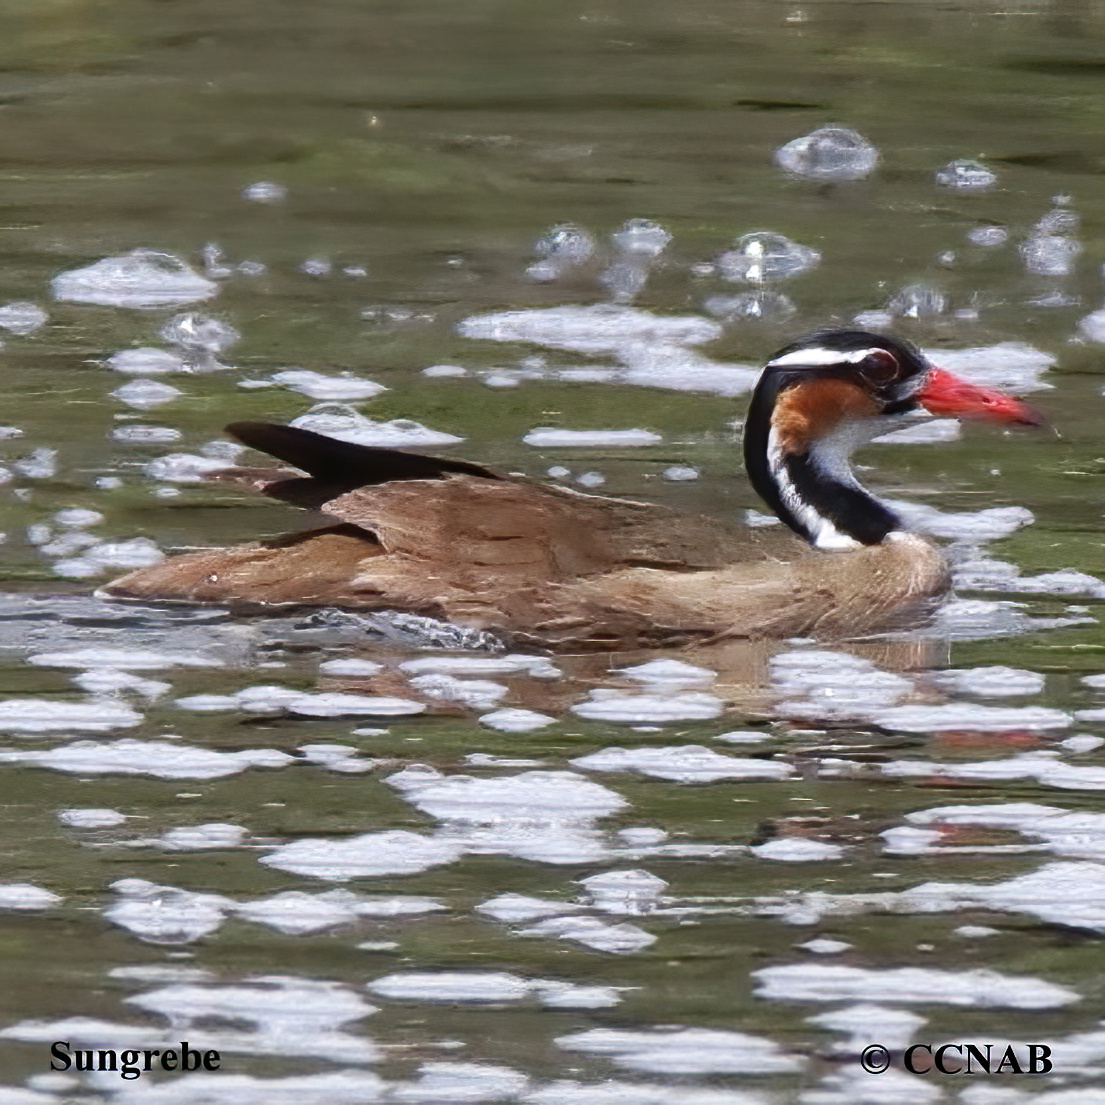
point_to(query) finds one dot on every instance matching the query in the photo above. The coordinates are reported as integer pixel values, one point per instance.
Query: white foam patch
(145, 394)
(684, 1050)
(1078, 834)
(1012, 366)
(277, 700)
(832, 686)
(484, 759)
(546, 816)
(935, 431)
(992, 682)
(298, 913)
(183, 468)
(39, 715)
(147, 361)
(975, 619)
(621, 939)
(448, 1083)
(823, 945)
(601, 328)
(289, 1016)
(199, 838)
(612, 1092)
(350, 668)
(1043, 766)
(537, 666)
(624, 893)
(674, 368)
(989, 524)
(142, 279)
(970, 715)
(688, 763)
(520, 908)
(104, 681)
(743, 736)
(145, 435)
(162, 759)
(546, 437)
(110, 556)
(351, 705)
(346, 424)
(477, 694)
(166, 914)
(385, 853)
(122, 659)
(894, 1028)
(491, 987)
(316, 385)
(796, 849)
(979, 989)
(516, 721)
(609, 705)
(981, 573)
(91, 818)
(24, 896)
(344, 1087)
(337, 757)
(668, 673)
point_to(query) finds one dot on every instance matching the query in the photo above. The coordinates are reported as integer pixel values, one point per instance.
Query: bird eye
(880, 366)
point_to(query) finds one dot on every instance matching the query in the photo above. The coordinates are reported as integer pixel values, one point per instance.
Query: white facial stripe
(820, 357)
(824, 534)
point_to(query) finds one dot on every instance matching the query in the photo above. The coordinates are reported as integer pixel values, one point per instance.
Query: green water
(433, 143)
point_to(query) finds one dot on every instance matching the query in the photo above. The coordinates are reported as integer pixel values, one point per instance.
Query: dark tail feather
(343, 463)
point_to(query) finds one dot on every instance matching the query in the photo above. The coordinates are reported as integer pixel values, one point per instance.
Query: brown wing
(535, 562)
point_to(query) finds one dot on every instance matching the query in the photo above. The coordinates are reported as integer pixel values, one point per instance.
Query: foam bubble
(91, 818)
(23, 896)
(621, 939)
(829, 154)
(983, 989)
(478, 694)
(627, 893)
(345, 424)
(601, 328)
(687, 763)
(796, 849)
(384, 853)
(165, 914)
(162, 759)
(969, 715)
(316, 385)
(642, 709)
(122, 659)
(490, 987)
(537, 666)
(145, 394)
(142, 279)
(684, 1050)
(509, 720)
(546, 437)
(993, 682)
(964, 175)
(38, 715)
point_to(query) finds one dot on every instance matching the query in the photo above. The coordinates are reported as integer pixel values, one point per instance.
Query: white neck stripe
(820, 357)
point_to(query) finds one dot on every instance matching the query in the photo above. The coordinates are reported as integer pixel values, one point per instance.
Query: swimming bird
(546, 565)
